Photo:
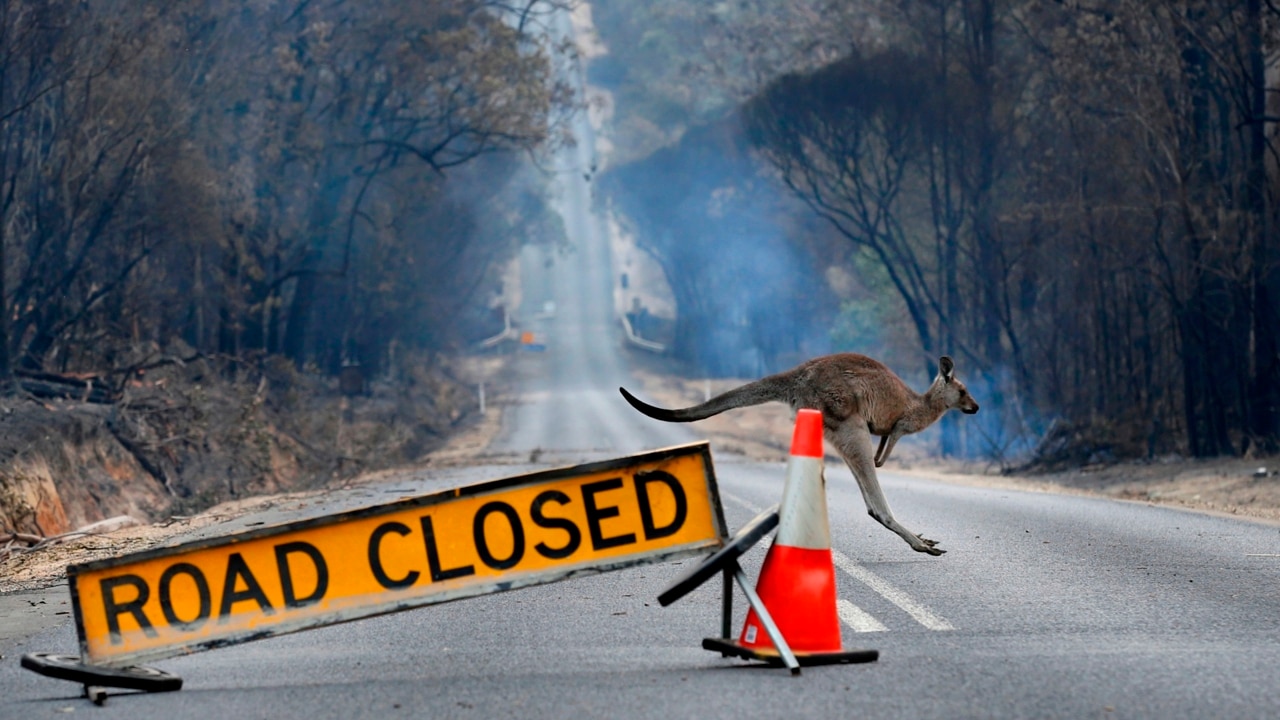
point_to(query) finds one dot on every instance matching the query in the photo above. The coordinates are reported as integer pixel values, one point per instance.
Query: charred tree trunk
(298, 323)
(1264, 391)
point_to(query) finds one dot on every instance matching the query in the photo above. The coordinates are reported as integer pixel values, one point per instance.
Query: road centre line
(918, 612)
(921, 614)
(857, 618)
(739, 500)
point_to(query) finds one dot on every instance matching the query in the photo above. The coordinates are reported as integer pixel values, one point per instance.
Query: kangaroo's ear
(946, 368)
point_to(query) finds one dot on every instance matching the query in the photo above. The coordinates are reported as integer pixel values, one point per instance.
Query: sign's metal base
(725, 562)
(730, 648)
(97, 678)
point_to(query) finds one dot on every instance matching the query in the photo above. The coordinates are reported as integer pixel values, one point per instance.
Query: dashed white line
(852, 615)
(922, 614)
(857, 618)
(742, 502)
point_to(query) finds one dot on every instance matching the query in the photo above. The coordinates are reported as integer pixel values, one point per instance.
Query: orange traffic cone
(797, 583)
(798, 580)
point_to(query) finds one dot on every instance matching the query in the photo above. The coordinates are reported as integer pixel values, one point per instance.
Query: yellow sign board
(499, 535)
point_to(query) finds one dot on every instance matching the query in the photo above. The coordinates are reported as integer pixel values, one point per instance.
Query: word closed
(500, 535)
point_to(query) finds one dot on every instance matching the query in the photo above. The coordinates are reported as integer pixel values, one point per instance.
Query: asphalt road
(1044, 606)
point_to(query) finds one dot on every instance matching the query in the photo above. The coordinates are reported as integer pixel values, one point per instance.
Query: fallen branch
(36, 542)
(20, 537)
(61, 387)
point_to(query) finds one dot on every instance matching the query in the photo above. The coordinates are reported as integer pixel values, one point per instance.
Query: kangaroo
(858, 397)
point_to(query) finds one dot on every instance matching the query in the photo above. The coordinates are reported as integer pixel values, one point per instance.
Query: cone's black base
(731, 648)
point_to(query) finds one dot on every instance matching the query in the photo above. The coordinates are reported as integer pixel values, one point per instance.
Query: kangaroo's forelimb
(886, 446)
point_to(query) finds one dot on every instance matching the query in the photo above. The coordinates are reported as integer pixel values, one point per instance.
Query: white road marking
(857, 618)
(738, 500)
(851, 614)
(921, 613)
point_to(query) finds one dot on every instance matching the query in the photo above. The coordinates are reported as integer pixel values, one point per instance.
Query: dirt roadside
(33, 588)
(33, 593)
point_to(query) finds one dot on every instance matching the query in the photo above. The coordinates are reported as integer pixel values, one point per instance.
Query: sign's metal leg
(96, 694)
(788, 658)
(726, 606)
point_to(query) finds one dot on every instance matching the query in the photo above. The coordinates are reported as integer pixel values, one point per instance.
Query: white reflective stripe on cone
(802, 517)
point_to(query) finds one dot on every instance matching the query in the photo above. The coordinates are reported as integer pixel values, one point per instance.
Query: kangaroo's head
(952, 392)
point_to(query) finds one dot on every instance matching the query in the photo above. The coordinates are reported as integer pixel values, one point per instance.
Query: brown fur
(859, 397)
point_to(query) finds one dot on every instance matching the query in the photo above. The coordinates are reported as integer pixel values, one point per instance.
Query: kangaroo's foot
(927, 546)
(917, 542)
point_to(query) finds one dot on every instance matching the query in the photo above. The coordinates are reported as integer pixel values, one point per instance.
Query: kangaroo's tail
(754, 393)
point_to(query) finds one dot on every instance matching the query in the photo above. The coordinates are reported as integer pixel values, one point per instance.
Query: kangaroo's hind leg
(853, 439)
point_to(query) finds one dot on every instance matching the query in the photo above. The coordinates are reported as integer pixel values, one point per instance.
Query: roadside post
(489, 537)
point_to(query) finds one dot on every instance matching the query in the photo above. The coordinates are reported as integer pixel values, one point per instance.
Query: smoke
(1008, 428)
(751, 299)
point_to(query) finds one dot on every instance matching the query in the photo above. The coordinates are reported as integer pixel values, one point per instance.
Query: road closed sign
(499, 535)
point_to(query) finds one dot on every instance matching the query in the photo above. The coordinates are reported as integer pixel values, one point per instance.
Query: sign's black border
(698, 449)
